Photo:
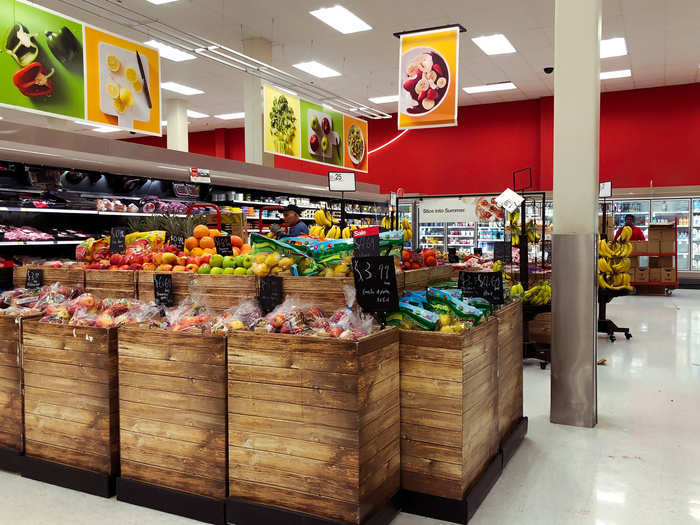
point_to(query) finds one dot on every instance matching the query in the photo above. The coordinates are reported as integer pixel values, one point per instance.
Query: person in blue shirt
(292, 220)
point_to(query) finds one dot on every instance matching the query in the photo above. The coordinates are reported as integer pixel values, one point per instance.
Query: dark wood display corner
(200, 508)
(11, 460)
(68, 477)
(461, 511)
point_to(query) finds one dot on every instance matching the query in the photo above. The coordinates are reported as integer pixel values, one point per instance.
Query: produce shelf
(651, 255)
(81, 212)
(39, 243)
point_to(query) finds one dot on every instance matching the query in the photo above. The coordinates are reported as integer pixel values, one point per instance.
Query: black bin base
(200, 508)
(68, 477)
(461, 511)
(243, 512)
(11, 460)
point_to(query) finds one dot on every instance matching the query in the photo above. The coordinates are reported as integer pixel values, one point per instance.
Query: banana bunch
(407, 229)
(516, 290)
(515, 227)
(538, 295)
(317, 230)
(621, 281)
(497, 266)
(323, 217)
(626, 234)
(333, 232)
(347, 231)
(614, 264)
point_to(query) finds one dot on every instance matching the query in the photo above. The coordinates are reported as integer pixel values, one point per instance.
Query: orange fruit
(236, 251)
(196, 252)
(245, 249)
(236, 241)
(209, 251)
(206, 242)
(200, 231)
(214, 233)
(191, 242)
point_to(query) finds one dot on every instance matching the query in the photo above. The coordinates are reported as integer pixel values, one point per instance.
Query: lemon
(126, 97)
(119, 106)
(136, 84)
(131, 75)
(113, 63)
(113, 90)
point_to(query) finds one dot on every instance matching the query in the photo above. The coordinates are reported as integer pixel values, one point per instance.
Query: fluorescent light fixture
(196, 114)
(230, 116)
(180, 89)
(341, 19)
(316, 69)
(384, 100)
(105, 129)
(160, 2)
(613, 47)
(496, 44)
(620, 73)
(499, 86)
(163, 122)
(609, 496)
(170, 52)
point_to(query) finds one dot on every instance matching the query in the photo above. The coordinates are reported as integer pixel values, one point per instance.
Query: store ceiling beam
(62, 149)
(113, 12)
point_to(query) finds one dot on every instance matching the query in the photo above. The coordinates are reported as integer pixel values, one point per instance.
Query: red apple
(124, 267)
(115, 260)
(313, 142)
(88, 301)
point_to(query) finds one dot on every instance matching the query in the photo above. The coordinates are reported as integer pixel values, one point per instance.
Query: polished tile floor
(640, 465)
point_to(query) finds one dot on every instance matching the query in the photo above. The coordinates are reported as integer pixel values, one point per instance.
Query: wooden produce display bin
(540, 329)
(111, 283)
(313, 427)
(181, 285)
(449, 409)
(510, 367)
(172, 421)
(73, 277)
(441, 273)
(11, 421)
(221, 292)
(328, 293)
(70, 406)
(417, 279)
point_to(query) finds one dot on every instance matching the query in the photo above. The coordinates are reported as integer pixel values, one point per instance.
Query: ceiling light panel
(196, 114)
(317, 69)
(180, 89)
(341, 19)
(170, 52)
(160, 2)
(613, 47)
(500, 86)
(384, 100)
(620, 73)
(230, 116)
(496, 44)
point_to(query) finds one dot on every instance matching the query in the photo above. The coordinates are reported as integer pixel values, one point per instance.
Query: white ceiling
(663, 41)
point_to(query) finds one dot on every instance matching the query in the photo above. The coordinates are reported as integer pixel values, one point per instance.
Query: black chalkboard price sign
(270, 293)
(488, 285)
(502, 251)
(116, 240)
(223, 245)
(375, 284)
(452, 255)
(366, 241)
(35, 278)
(178, 241)
(163, 289)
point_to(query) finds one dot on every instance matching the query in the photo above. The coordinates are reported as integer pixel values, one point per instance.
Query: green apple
(229, 262)
(204, 269)
(324, 143)
(315, 124)
(240, 271)
(249, 272)
(229, 270)
(216, 260)
(216, 270)
(247, 261)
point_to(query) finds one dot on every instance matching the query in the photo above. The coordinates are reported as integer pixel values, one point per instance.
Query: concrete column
(176, 110)
(577, 28)
(254, 105)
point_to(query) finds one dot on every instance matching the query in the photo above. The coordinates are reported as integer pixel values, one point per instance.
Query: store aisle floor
(640, 465)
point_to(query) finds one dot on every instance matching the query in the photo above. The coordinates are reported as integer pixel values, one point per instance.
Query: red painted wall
(647, 136)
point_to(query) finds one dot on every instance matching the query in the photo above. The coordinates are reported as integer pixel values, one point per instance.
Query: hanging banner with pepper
(55, 65)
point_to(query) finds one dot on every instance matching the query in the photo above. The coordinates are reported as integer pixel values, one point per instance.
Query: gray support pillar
(253, 104)
(577, 28)
(178, 138)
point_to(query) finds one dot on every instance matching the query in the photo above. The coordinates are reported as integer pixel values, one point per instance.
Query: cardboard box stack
(608, 228)
(641, 275)
(663, 237)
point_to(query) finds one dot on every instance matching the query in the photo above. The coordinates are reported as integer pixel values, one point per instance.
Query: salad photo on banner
(282, 125)
(428, 77)
(41, 63)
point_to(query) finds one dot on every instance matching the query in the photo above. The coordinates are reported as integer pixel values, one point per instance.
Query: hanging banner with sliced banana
(614, 263)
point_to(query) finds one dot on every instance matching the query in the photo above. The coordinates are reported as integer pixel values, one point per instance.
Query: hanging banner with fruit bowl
(428, 76)
(54, 65)
(297, 128)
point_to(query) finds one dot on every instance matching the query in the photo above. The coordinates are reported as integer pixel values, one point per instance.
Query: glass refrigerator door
(461, 235)
(640, 210)
(432, 235)
(696, 235)
(406, 210)
(488, 234)
(668, 210)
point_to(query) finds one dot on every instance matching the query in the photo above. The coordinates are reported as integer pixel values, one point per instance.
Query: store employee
(637, 233)
(292, 220)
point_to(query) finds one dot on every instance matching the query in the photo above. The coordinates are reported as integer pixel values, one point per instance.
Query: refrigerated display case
(489, 233)
(406, 210)
(461, 235)
(695, 236)
(639, 208)
(666, 210)
(432, 235)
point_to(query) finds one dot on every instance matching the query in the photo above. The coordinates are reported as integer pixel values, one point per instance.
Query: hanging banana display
(614, 263)
(537, 295)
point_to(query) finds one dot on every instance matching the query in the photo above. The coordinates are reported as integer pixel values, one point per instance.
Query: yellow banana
(405, 224)
(622, 267)
(602, 283)
(626, 234)
(604, 265)
(346, 232)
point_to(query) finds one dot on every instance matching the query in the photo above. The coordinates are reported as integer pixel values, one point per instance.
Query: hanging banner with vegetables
(428, 76)
(47, 66)
(301, 129)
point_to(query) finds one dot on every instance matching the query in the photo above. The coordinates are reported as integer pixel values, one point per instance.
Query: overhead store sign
(58, 66)
(303, 130)
(428, 78)
(509, 200)
(448, 209)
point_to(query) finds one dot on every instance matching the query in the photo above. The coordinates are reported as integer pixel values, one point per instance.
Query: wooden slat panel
(369, 432)
(198, 420)
(9, 385)
(213, 452)
(173, 479)
(208, 405)
(439, 436)
(54, 355)
(336, 360)
(167, 368)
(285, 376)
(73, 458)
(11, 440)
(8, 359)
(443, 372)
(428, 418)
(426, 484)
(448, 405)
(381, 460)
(431, 451)
(189, 465)
(291, 412)
(291, 499)
(8, 343)
(425, 385)
(98, 433)
(79, 444)
(96, 419)
(381, 440)
(293, 394)
(66, 399)
(68, 386)
(178, 385)
(10, 372)
(331, 454)
(12, 424)
(451, 356)
(375, 477)
(170, 430)
(67, 371)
